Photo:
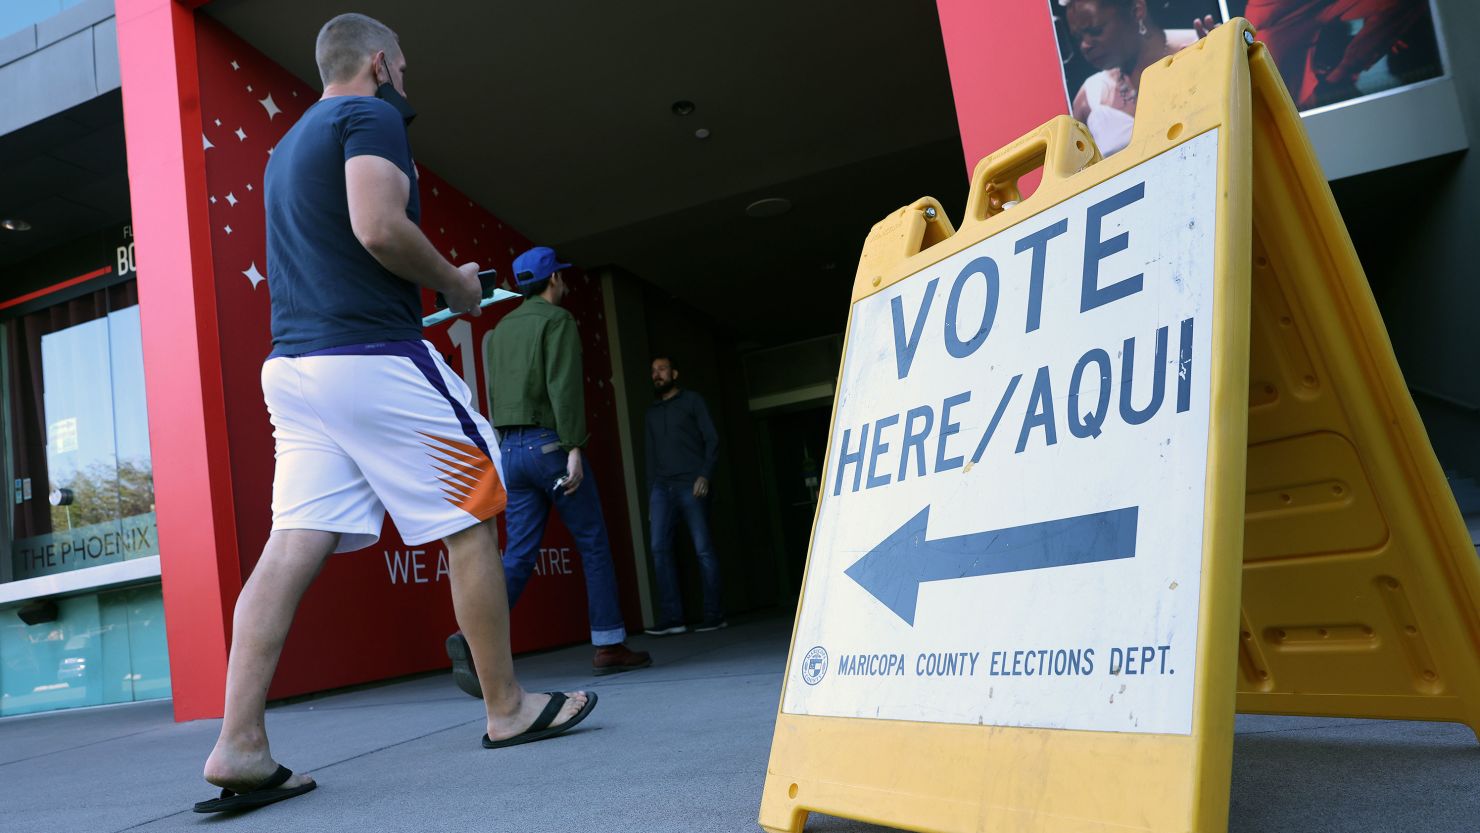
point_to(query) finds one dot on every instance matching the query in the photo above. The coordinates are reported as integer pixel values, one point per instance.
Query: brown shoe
(613, 659)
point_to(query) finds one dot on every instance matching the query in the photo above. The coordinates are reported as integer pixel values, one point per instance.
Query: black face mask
(388, 93)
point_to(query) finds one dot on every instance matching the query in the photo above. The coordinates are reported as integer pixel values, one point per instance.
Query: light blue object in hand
(443, 314)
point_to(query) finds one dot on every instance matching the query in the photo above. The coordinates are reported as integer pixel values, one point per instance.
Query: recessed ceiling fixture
(15, 225)
(683, 107)
(701, 133)
(769, 207)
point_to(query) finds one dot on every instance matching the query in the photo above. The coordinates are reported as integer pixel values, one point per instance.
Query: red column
(1005, 70)
(182, 354)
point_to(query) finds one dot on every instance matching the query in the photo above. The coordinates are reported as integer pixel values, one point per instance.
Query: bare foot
(507, 726)
(240, 768)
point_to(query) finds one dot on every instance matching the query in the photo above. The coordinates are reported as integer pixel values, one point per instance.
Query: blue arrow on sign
(893, 571)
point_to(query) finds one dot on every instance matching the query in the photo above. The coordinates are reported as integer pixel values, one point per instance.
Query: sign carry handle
(1061, 148)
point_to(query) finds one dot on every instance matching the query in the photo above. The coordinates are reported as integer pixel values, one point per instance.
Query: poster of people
(1331, 51)
(1328, 51)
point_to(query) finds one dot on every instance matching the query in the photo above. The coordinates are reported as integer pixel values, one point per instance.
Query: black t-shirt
(326, 289)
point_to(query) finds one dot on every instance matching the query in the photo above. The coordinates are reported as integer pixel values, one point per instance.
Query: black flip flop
(541, 728)
(263, 794)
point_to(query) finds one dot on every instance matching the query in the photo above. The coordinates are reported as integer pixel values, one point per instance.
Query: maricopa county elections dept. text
(1129, 660)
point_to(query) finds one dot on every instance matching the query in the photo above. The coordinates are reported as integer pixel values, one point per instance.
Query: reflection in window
(103, 648)
(84, 489)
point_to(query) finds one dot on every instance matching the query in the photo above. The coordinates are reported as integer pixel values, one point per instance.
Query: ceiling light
(15, 225)
(701, 133)
(683, 107)
(769, 207)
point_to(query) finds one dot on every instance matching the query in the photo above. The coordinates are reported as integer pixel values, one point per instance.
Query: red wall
(364, 620)
(182, 347)
(1005, 71)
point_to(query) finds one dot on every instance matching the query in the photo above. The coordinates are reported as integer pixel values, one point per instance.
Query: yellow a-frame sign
(1105, 464)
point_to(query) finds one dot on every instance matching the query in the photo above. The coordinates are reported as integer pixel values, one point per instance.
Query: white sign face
(1011, 523)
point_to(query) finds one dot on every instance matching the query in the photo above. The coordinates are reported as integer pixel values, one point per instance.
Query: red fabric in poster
(383, 611)
(1291, 28)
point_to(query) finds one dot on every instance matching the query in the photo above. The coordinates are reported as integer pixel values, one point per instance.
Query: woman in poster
(1120, 39)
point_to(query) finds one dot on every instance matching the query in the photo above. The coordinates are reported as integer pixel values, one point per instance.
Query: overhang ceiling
(558, 118)
(66, 175)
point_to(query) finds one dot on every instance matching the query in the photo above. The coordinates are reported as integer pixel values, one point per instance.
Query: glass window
(83, 490)
(102, 648)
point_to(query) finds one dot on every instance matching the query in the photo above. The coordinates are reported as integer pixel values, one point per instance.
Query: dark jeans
(669, 501)
(531, 468)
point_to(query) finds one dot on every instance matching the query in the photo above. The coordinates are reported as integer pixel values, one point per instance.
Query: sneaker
(463, 672)
(614, 659)
(676, 629)
(713, 626)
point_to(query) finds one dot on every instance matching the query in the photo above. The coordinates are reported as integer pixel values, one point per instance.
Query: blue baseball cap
(536, 264)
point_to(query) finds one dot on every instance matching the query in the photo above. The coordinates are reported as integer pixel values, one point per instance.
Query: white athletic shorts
(370, 427)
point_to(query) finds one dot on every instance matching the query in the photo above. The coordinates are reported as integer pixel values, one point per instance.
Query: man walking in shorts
(345, 259)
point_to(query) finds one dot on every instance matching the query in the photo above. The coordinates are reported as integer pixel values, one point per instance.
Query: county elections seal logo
(814, 666)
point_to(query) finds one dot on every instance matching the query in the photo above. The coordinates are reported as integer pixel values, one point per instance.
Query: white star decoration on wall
(207, 142)
(235, 65)
(241, 135)
(228, 229)
(232, 200)
(253, 275)
(270, 106)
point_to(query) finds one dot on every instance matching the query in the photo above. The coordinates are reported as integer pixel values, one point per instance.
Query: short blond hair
(345, 42)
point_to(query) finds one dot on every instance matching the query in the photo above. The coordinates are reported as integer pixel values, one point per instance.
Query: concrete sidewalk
(681, 747)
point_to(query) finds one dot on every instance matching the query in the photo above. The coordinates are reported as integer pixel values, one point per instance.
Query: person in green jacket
(539, 409)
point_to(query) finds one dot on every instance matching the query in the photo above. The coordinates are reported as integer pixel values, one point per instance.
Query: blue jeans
(667, 502)
(531, 467)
